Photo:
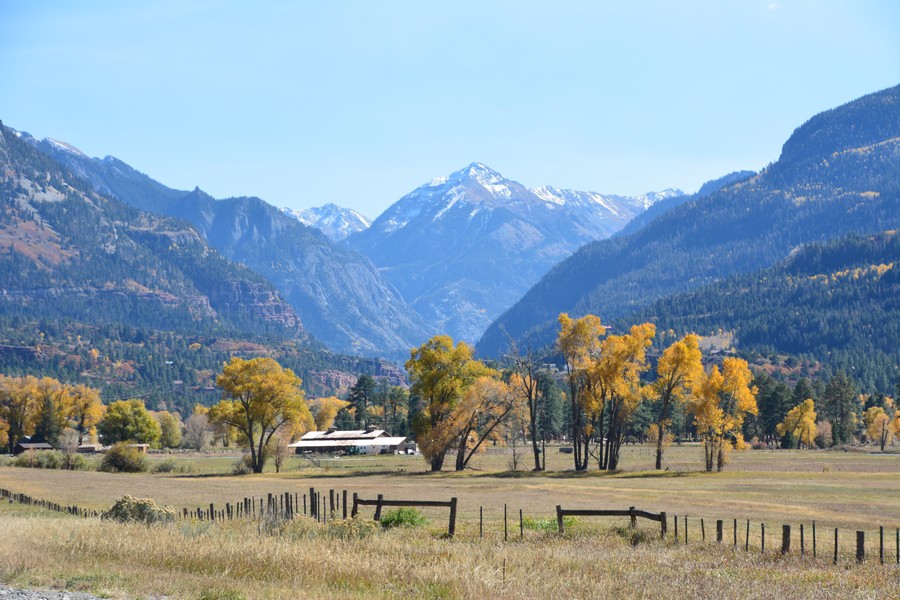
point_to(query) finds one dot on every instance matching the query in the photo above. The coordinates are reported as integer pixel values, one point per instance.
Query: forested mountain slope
(838, 174)
(340, 296)
(836, 304)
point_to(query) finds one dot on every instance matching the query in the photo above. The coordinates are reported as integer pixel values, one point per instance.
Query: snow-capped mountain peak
(479, 173)
(334, 221)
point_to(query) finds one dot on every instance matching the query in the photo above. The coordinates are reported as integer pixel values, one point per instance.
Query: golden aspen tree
(484, 407)
(86, 409)
(878, 426)
(799, 425)
(616, 389)
(440, 374)
(19, 407)
(579, 342)
(720, 403)
(324, 410)
(679, 370)
(260, 398)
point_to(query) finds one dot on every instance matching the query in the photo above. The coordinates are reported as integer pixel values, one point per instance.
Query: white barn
(365, 441)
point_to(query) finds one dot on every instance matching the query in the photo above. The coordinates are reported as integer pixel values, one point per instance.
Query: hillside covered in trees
(98, 291)
(837, 175)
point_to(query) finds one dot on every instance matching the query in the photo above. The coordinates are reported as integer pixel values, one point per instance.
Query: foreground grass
(249, 560)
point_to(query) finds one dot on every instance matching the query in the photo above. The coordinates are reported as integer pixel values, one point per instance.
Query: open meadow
(601, 557)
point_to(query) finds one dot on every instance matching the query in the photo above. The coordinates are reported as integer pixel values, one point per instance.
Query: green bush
(129, 509)
(77, 462)
(165, 466)
(122, 458)
(549, 524)
(403, 517)
(40, 459)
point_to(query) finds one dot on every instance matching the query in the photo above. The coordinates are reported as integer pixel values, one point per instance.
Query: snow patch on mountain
(334, 221)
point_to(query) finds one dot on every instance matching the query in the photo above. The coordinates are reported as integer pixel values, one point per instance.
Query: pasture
(599, 557)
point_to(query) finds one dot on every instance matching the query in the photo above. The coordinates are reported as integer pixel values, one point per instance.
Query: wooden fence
(380, 502)
(632, 512)
(805, 539)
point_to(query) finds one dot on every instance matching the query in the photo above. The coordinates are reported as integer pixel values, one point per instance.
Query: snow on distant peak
(651, 198)
(65, 147)
(334, 221)
(479, 172)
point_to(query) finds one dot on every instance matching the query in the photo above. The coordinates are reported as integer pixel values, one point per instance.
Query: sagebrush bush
(403, 517)
(40, 459)
(165, 466)
(122, 458)
(243, 466)
(129, 509)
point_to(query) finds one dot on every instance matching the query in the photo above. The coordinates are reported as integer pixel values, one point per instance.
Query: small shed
(89, 448)
(25, 446)
(364, 441)
(144, 448)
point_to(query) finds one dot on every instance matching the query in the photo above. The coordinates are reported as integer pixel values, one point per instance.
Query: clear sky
(359, 102)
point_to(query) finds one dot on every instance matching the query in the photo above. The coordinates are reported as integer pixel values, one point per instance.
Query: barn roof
(348, 443)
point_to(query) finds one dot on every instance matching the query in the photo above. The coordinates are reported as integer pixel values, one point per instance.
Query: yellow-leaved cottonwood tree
(579, 342)
(878, 426)
(324, 411)
(440, 375)
(719, 404)
(614, 389)
(260, 397)
(799, 425)
(679, 371)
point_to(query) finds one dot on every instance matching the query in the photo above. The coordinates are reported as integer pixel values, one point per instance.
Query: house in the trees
(362, 441)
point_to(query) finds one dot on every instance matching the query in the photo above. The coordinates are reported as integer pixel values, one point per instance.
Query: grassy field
(849, 490)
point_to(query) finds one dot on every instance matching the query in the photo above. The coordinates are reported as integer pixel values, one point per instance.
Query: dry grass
(237, 560)
(846, 490)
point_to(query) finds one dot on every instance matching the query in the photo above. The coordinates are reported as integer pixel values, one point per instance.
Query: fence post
(881, 544)
(814, 538)
(344, 503)
(312, 504)
(785, 539)
(719, 531)
(835, 545)
(802, 542)
(685, 529)
(355, 510)
(676, 528)
(505, 527)
(378, 507)
(480, 521)
(559, 519)
(735, 533)
(663, 525)
(331, 502)
(763, 530)
(860, 546)
(702, 530)
(452, 529)
(633, 518)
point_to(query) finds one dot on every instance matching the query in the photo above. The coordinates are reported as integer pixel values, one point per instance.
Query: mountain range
(837, 175)
(463, 248)
(336, 222)
(340, 296)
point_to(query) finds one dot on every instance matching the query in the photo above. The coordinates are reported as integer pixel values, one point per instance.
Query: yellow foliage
(260, 397)
(324, 411)
(800, 423)
(878, 426)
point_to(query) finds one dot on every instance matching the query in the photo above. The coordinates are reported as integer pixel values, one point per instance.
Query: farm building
(363, 441)
(25, 446)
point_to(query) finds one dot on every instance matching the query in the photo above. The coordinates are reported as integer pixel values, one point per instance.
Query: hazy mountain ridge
(337, 292)
(829, 183)
(462, 248)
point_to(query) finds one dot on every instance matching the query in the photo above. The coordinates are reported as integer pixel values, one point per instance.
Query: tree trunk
(437, 462)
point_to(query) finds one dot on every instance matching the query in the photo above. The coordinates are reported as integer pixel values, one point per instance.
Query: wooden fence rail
(632, 512)
(380, 502)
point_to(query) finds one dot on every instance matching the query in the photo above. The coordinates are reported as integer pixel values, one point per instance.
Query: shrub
(129, 509)
(635, 536)
(165, 466)
(76, 462)
(243, 465)
(50, 459)
(122, 458)
(548, 524)
(403, 517)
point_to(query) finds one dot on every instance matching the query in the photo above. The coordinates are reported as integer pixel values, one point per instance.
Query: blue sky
(358, 103)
